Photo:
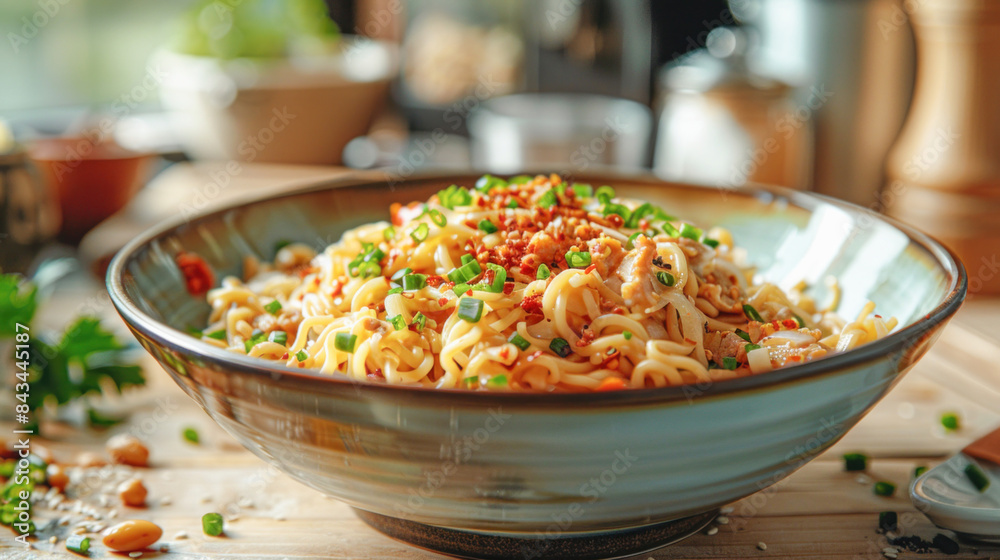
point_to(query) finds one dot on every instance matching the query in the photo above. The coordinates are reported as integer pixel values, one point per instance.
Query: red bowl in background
(91, 180)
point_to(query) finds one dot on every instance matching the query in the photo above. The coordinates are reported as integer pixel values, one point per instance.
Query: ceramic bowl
(493, 475)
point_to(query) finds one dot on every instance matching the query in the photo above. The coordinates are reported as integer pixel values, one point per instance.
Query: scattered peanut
(132, 493)
(57, 477)
(127, 450)
(132, 535)
(90, 459)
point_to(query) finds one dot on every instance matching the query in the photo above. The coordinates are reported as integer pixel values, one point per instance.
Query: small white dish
(949, 499)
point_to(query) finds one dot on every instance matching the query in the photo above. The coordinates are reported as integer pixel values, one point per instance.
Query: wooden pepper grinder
(944, 169)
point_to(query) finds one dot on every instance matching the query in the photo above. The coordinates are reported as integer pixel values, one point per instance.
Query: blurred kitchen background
(118, 114)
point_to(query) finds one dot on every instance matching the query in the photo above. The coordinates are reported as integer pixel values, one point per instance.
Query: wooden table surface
(819, 511)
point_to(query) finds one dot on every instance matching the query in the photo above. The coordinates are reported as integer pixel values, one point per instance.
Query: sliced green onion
(519, 180)
(543, 272)
(470, 309)
(256, 338)
(438, 218)
(487, 182)
(461, 289)
(713, 243)
(369, 270)
(273, 308)
(487, 226)
(519, 341)
(472, 380)
(549, 199)
(627, 335)
(884, 488)
(278, 337)
(78, 543)
(401, 273)
(670, 230)
(743, 334)
(395, 291)
(630, 244)
(419, 321)
(950, 421)
(497, 381)
(345, 341)
(666, 278)
(730, 362)
(217, 335)
(420, 233)
(512, 204)
(560, 347)
(638, 214)
(691, 232)
(751, 347)
(211, 524)
(751, 313)
(191, 435)
(389, 233)
(604, 194)
(977, 477)
(888, 521)
(467, 258)
(919, 471)
(583, 190)
(195, 332)
(854, 462)
(466, 272)
(499, 278)
(398, 322)
(620, 209)
(454, 196)
(798, 321)
(413, 282)
(578, 259)
(301, 355)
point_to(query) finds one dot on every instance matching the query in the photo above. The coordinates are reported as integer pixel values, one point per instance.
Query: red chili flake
(508, 287)
(284, 356)
(531, 357)
(469, 292)
(198, 277)
(532, 304)
(316, 281)
(794, 358)
(586, 337)
(489, 275)
(878, 316)
(443, 301)
(590, 268)
(643, 224)
(434, 280)
(505, 352)
(790, 324)
(338, 287)
(616, 220)
(376, 375)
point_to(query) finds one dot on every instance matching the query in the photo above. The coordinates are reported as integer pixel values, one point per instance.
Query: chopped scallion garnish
(413, 282)
(461, 289)
(345, 341)
(419, 321)
(691, 232)
(627, 335)
(470, 309)
(630, 244)
(884, 488)
(519, 180)
(977, 477)
(666, 278)
(487, 226)
(389, 233)
(217, 335)
(191, 435)
(560, 347)
(549, 199)
(394, 291)
(420, 233)
(854, 462)
(750, 347)
(78, 543)
(454, 196)
(543, 272)
(512, 204)
(497, 381)
(301, 356)
(743, 334)
(730, 362)
(620, 209)
(211, 524)
(438, 218)
(278, 337)
(273, 307)
(751, 313)
(487, 182)
(604, 194)
(398, 322)
(583, 190)
(467, 258)
(713, 243)
(519, 341)
(950, 421)
(578, 259)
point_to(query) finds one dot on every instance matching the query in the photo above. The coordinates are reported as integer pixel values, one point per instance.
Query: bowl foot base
(578, 546)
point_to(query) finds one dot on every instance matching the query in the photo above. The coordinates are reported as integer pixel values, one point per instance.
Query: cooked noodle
(633, 298)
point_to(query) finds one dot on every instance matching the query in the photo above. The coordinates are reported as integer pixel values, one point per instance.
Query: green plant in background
(256, 28)
(83, 360)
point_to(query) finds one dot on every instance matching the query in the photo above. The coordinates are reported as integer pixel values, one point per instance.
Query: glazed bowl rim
(314, 380)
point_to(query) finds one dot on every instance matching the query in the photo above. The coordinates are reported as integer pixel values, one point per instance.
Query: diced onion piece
(760, 360)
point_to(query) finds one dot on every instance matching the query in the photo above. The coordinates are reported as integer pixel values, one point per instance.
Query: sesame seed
(722, 520)
(712, 530)
(180, 535)
(166, 501)
(762, 545)
(53, 539)
(135, 554)
(726, 510)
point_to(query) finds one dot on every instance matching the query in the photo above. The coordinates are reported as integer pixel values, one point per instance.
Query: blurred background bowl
(421, 463)
(224, 109)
